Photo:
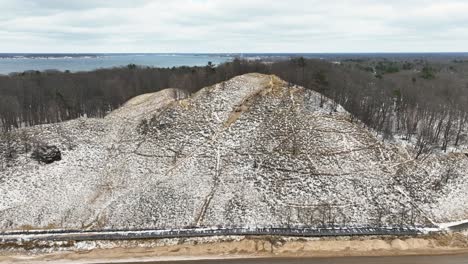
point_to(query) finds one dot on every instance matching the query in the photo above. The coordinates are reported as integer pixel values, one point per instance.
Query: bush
(428, 73)
(46, 154)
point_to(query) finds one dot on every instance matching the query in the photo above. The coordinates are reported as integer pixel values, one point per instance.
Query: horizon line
(371, 52)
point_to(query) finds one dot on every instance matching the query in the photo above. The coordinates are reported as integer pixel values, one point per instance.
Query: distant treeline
(421, 101)
(425, 102)
(32, 98)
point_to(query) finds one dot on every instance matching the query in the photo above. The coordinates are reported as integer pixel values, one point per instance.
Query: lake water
(20, 62)
(86, 62)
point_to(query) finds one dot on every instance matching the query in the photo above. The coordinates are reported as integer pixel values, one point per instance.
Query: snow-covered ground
(453, 224)
(248, 152)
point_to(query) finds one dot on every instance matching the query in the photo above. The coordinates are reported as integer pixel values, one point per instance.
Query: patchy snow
(248, 152)
(452, 224)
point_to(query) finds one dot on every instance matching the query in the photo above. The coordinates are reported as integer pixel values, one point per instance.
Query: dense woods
(33, 98)
(424, 102)
(419, 101)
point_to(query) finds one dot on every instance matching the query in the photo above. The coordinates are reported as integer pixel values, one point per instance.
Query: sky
(219, 26)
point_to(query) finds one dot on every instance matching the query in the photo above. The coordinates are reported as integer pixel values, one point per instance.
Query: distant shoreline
(86, 62)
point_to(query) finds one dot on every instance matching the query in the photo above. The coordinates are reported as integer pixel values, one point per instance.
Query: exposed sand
(239, 247)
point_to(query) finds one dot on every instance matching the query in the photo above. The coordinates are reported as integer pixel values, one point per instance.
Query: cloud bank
(233, 26)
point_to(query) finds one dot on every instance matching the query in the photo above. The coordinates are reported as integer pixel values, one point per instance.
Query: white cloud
(232, 26)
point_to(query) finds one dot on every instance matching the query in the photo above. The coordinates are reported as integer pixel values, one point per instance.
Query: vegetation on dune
(426, 102)
(252, 151)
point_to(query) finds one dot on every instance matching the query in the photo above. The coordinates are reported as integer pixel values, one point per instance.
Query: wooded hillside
(419, 100)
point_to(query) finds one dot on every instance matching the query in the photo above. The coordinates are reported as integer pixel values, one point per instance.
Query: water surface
(20, 62)
(86, 62)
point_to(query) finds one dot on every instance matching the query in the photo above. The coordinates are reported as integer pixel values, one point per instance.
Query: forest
(425, 102)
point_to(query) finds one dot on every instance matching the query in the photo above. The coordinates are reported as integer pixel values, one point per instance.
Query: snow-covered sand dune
(251, 151)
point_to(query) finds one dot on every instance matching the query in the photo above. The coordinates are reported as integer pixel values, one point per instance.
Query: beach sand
(238, 247)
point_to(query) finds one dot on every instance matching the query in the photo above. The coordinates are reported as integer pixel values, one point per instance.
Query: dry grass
(31, 245)
(274, 86)
(30, 227)
(185, 103)
(236, 114)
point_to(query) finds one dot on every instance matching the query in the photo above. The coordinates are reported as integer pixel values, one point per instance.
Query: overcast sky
(233, 26)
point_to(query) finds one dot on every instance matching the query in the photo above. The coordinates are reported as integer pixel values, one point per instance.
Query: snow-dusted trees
(32, 98)
(425, 102)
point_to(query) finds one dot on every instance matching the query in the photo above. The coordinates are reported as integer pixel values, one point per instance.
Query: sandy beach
(236, 248)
